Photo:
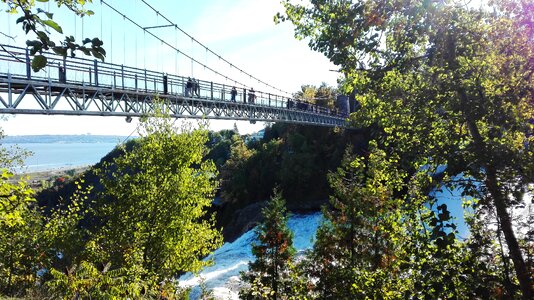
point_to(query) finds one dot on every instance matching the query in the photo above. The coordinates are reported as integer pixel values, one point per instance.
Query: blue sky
(241, 31)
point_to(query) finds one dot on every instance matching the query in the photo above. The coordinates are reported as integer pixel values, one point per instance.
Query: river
(51, 152)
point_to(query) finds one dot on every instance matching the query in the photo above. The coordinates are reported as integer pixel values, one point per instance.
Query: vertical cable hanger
(123, 41)
(144, 49)
(192, 51)
(111, 38)
(175, 52)
(136, 51)
(211, 51)
(158, 55)
(146, 31)
(101, 20)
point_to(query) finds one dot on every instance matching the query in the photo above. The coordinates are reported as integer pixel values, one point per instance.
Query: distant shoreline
(60, 155)
(36, 178)
(51, 139)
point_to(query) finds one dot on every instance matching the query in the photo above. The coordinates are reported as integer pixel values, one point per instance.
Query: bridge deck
(77, 86)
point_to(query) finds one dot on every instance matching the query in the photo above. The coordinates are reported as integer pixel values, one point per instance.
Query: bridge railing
(95, 73)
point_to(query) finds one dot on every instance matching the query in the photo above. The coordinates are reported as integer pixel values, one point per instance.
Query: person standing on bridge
(233, 94)
(196, 85)
(251, 96)
(189, 87)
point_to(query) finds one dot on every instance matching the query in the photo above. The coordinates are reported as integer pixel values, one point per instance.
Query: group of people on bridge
(251, 95)
(192, 87)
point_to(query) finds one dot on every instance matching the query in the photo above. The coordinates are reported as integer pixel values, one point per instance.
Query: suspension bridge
(83, 86)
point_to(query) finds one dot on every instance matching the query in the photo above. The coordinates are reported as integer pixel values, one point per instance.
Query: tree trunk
(499, 200)
(506, 225)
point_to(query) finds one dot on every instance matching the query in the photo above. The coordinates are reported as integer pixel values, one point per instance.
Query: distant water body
(58, 152)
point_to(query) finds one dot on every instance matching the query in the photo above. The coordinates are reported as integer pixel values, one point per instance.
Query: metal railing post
(65, 69)
(122, 75)
(9, 93)
(146, 87)
(211, 87)
(28, 65)
(96, 72)
(136, 82)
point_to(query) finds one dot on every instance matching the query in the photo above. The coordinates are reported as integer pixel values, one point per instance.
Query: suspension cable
(211, 51)
(166, 43)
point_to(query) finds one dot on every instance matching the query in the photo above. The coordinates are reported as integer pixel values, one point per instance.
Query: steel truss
(54, 98)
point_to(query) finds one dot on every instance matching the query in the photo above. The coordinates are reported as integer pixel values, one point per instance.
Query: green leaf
(38, 62)
(60, 51)
(34, 43)
(53, 25)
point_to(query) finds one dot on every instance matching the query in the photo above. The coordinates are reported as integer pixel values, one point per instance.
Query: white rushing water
(232, 258)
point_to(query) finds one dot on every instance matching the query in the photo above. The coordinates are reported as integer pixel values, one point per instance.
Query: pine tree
(268, 274)
(355, 248)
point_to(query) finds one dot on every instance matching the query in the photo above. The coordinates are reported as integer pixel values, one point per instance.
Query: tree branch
(8, 36)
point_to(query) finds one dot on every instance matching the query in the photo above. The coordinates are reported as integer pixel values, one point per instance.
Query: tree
(147, 224)
(20, 224)
(323, 95)
(268, 274)
(149, 217)
(219, 144)
(39, 21)
(440, 83)
(358, 246)
(13, 157)
(233, 173)
(378, 243)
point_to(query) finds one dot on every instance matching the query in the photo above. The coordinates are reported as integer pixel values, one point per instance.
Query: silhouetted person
(196, 85)
(62, 74)
(165, 85)
(233, 94)
(251, 96)
(189, 87)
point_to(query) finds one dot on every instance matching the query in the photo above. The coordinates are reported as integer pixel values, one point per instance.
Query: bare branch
(8, 36)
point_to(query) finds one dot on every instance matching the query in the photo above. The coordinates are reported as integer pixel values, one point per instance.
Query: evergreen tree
(268, 274)
(355, 252)
(380, 242)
